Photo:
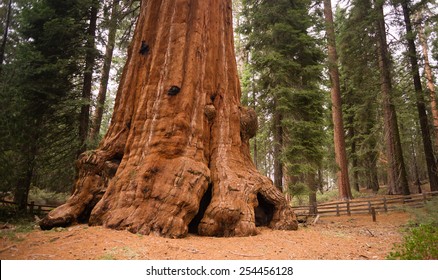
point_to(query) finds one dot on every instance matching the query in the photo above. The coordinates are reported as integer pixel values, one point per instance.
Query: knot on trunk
(210, 112)
(90, 162)
(248, 123)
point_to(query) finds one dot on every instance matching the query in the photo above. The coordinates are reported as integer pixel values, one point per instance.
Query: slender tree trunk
(101, 97)
(278, 147)
(90, 57)
(429, 81)
(5, 34)
(176, 155)
(415, 166)
(313, 187)
(372, 174)
(255, 146)
(371, 162)
(421, 105)
(354, 161)
(339, 137)
(28, 153)
(397, 177)
(23, 187)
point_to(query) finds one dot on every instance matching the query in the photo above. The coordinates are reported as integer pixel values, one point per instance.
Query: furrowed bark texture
(176, 156)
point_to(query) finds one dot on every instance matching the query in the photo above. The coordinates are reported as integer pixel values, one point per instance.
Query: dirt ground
(331, 238)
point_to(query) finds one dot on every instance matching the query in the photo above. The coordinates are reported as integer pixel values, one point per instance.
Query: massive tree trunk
(339, 137)
(176, 156)
(421, 105)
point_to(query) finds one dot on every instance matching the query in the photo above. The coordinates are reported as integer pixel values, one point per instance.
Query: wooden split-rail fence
(32, 208)
(365, 205)
(349, 207)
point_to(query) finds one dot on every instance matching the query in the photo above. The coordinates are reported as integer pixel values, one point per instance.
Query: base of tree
(189, 201)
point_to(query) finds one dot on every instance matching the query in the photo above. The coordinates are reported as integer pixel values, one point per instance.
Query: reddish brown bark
(173, 160)
(430, 81)
(339, 137)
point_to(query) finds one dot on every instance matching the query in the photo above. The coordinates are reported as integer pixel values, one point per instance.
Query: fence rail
(32, 208)
(364, 206)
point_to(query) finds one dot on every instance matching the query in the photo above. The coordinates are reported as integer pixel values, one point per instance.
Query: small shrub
(45, 197)
(327, 196)
(14, 222)
(420, 244)
(299, 193)
(421, 241)
(425, 215)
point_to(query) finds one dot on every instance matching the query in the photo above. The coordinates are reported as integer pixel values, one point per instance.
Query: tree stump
(171, 163)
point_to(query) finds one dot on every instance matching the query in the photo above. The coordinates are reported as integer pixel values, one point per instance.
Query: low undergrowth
(14, 222)
(421, 239)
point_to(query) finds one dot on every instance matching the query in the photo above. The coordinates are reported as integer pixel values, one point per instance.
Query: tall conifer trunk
(278, 148)
(397, 176)
(107, 61)
(339, 137)
(430, 83)
(176, 155)
(421, 105)
(84, 117)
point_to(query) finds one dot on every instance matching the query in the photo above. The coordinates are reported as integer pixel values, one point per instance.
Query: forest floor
(330, 238)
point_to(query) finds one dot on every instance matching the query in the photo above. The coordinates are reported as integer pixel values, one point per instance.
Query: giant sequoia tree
(176, 155)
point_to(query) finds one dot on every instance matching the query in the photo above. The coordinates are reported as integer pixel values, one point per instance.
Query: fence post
(337, 210)
(425, 198)
(348, 208)
(385, 206)
(32, 204)
(373, 213)
(369, 207)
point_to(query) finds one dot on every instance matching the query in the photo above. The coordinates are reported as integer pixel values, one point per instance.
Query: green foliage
(39, 87)
(421, 239)
(425, 215)
(40, 92)
(47, 197)
(421, 243)
(360, 87)
(300, 193)
(15, 222)
(285, 62)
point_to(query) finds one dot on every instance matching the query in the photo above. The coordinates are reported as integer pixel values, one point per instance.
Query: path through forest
(345, 237)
